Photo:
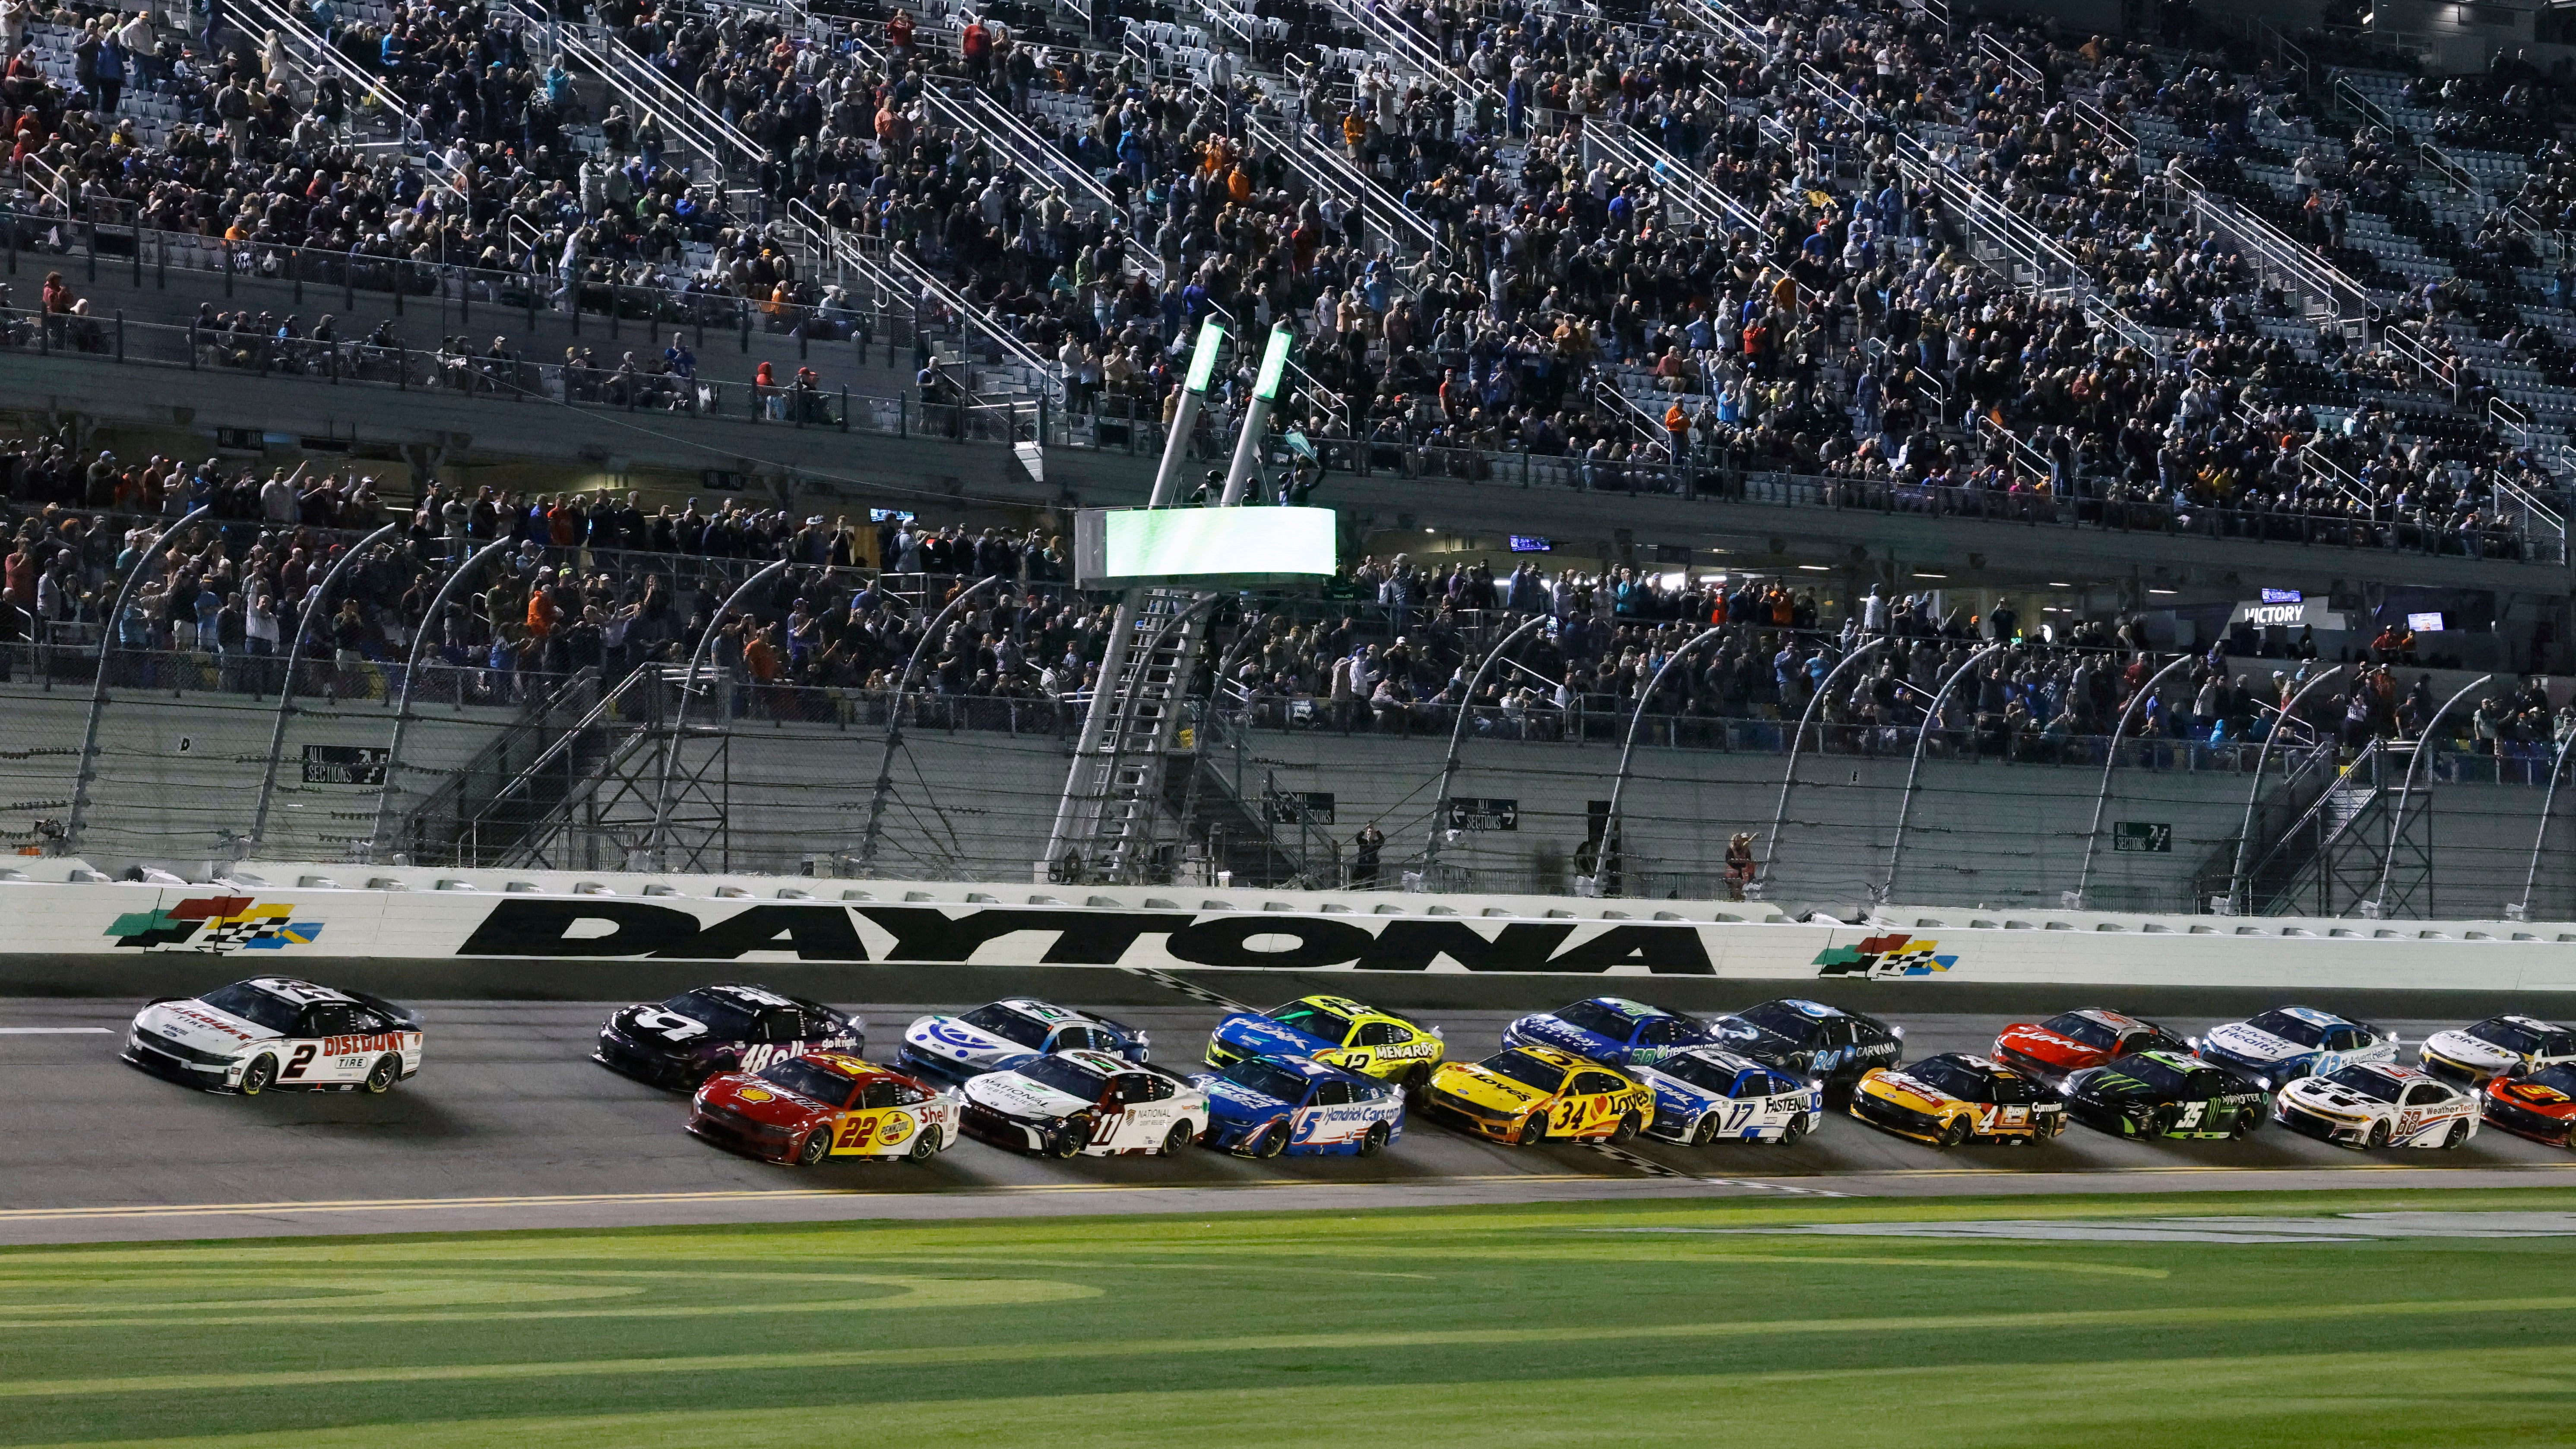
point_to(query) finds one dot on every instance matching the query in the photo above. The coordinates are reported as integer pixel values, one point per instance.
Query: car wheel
(816, 1146)
(1178, 1139)
(2459, 1134)
(1418, 1078)
(1797, 1129)
(925, 1146)
(2246, 1123)
(2378, 1134)
(1375, 1142)
(1705, 1132)
(1956, 1133)
(1532, 1130)
(1627, 1129)
(1273, 1141)
(257, 1076)
(2159, 1121)
(382, 1076)
(1071, 1137)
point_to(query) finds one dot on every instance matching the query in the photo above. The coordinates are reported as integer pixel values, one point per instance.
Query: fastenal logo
(1884, 956)
(214, 923)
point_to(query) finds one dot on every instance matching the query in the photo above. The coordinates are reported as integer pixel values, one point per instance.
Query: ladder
(1115, 789)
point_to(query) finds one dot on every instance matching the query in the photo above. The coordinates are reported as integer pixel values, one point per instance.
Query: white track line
(55, 1031)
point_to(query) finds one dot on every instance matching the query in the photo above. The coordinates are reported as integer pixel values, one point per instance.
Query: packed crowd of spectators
(1771, 292)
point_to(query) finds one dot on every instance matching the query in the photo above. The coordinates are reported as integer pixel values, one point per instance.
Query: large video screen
(1117, 548)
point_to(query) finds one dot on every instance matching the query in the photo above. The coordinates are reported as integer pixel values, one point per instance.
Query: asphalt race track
(511, 1125)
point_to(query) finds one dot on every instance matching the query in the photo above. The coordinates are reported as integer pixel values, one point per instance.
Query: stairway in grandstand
(2329, 862)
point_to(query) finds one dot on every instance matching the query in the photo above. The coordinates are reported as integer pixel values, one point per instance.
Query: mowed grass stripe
(1498, 1338)
(2466, 1397)
(779, 1194)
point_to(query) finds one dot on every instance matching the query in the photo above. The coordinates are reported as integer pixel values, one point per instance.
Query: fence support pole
(894, 721)
(1628, 746)
(680, 713)
(2397, 813)
(429, 625)
(2236, 882)
(286, 691)
(1789, 775)
(1458, 740)
(1914, 771)
(2110, 762)
(72, 828)
(2531, 878)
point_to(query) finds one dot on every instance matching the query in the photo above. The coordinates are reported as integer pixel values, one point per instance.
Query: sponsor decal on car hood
(1261, 1036)
(1011, 1093)
(2461, 1047)
(2254, 1044)
(195, 1024)
(949, 1038)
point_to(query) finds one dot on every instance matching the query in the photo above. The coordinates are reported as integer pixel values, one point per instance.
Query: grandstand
(2008, 362)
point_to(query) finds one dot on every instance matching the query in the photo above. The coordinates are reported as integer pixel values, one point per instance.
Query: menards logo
(216, 924)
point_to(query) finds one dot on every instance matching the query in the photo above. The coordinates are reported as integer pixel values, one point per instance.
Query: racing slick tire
(1533, 1131)
(1070, 1138)
(1178, 1139)
(2378, 1135)
(925, 1146)
(382, 1076)
(1796, 1130)
(1272, 1142)
(2459, 1136)
(1955, 1134)
(1627, 1129)
(1704, 1131)
(1417, 1078)
(816, 1146)
(257, 1076)
(2246, 1124)
(2158, 1123)
(1375, 1141)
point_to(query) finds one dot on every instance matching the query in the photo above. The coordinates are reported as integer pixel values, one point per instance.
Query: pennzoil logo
(1880, 957)
(214, 923)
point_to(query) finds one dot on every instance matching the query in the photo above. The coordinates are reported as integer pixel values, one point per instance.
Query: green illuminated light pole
(1256, 417)
(1176, 445)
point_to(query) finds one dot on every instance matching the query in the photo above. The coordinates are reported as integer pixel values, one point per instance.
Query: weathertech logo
(214, 923)
(1883, 956)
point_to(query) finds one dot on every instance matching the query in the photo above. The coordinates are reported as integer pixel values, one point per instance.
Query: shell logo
(896, 1127)
(755, 1094)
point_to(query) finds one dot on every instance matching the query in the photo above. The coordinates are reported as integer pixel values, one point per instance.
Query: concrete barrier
(268, 919)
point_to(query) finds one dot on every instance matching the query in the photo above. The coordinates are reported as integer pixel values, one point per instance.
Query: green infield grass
(1732, 1322)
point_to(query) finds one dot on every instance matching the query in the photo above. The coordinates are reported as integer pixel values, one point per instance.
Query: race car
(1522, 1095)
(1002, 1033)
(2500, 1046)
(1336, 1031)
(1810, 1039)
(824, 1104)
(2164, 1093)
(2541, 1106)
(1264, 1106)
(1085, 1103)
(2294, 1041)
(2377, 1104)
(1704, 1094)
(273, 1031)
(729, 1027)
(2073, 1040)
(1955, 1097)
(1611, 1029)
